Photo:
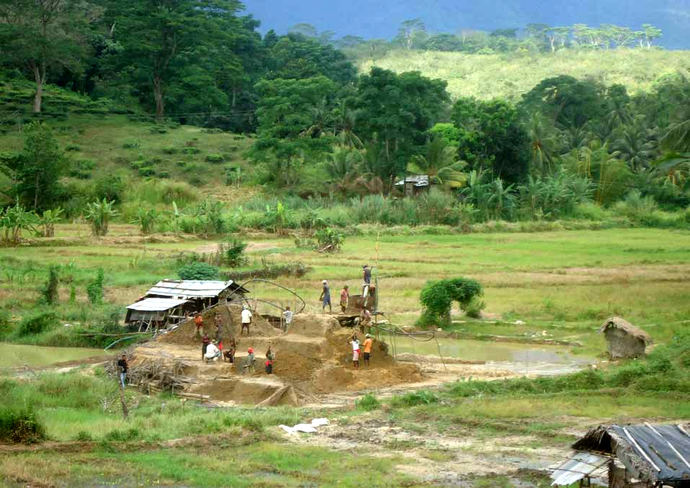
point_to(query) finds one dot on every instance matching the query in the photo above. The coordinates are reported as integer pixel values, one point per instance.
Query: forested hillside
(584, 128)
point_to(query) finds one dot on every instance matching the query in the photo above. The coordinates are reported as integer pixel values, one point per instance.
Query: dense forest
(322, 130)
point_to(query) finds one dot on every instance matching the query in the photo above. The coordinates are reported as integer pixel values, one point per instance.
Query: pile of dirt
(313, 357)
(185, 333)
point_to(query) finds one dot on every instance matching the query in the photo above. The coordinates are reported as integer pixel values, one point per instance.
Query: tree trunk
(38, 97)
(36, 184)
(158, 95)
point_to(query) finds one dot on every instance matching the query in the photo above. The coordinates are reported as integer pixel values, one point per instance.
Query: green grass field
(509, 76)
(560, 284)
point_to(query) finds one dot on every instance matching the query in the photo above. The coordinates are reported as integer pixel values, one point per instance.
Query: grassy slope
(501, 76)
(116, 144)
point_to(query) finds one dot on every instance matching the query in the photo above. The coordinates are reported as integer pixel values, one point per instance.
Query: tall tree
(166, 41)
(289, 132)
(38, 169)
(492, 138)
(43, 36)
(396, 111)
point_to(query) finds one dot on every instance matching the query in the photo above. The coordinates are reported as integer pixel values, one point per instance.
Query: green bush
(437, 298)
(37, 323)
(20, 426)
(329, 240)
(198, 271)
(127, 435)
(169, 150)
(94, 290)
(215, 158)
(368, 403)
(83, 436)
(49, 293)
(233, 253)
(422, 397)
(5, 324)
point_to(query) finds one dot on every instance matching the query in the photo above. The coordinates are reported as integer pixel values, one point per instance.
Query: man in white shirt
(212, 352)
(287, 316)
(246, 319)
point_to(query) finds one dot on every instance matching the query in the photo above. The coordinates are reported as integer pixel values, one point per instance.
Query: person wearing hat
(368, 343)
(366, 276)
(326, 297)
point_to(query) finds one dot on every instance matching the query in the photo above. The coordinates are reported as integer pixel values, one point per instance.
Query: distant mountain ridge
(381, 18)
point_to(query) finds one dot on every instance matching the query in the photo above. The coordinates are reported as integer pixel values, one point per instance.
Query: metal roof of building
(581, 464)
(193, 288)
(156, 304)
(652, 453)
(417, 180)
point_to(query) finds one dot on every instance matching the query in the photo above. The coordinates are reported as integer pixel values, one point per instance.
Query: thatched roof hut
(624, 339)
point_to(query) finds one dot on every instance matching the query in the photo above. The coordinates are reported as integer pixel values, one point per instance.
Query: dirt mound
(313, 325)
(185, 333)
(314, 356)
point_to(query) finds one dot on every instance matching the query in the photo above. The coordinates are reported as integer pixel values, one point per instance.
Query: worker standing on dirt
(199, 323)
(326, 297)
(364, 320)
(366, 277)
(368, 343)
(269, 361)
(344, 298)
(250, 360)
(246, 319)
(355, 351)
(230, 353)
(219, 324)
(287, 316)
(122, 367)
(205, 341)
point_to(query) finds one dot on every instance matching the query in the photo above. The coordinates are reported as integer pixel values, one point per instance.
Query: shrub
(99, 214)
(437, 298)
(49, 293)
(169, 150)
(422, 397)
(234, 253)
(475, 307)
(82, 169)
(20, 426)
(83, 436)
(36, 323)
(122, 435)
(110, 188)
(368, 403)
(5, 324)
(215, 158)
(131, 144)
(146, 219)
(198, 271)
(48, 220)
(94, 290)
(329, 240)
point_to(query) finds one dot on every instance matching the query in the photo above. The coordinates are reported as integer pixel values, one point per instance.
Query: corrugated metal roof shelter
(581, 465)
(192, 289)
(652, 455)
(155, 311)
(414, 184)
(156, 304)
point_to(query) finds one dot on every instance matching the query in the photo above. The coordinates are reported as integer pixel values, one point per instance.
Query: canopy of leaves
(437, 298)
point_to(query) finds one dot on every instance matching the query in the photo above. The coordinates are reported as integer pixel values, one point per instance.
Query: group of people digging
(213, 350)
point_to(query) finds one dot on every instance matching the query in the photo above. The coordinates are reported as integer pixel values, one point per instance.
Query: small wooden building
(624, 340)
(629, 456)
(413, 185)
(170, 301)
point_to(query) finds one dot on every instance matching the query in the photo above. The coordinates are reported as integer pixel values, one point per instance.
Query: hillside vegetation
(488, 76)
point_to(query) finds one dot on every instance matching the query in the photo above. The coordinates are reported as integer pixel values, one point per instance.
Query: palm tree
(675, 162)
(542, 144)
(440, 163)
(346, 121)
(636, 146)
